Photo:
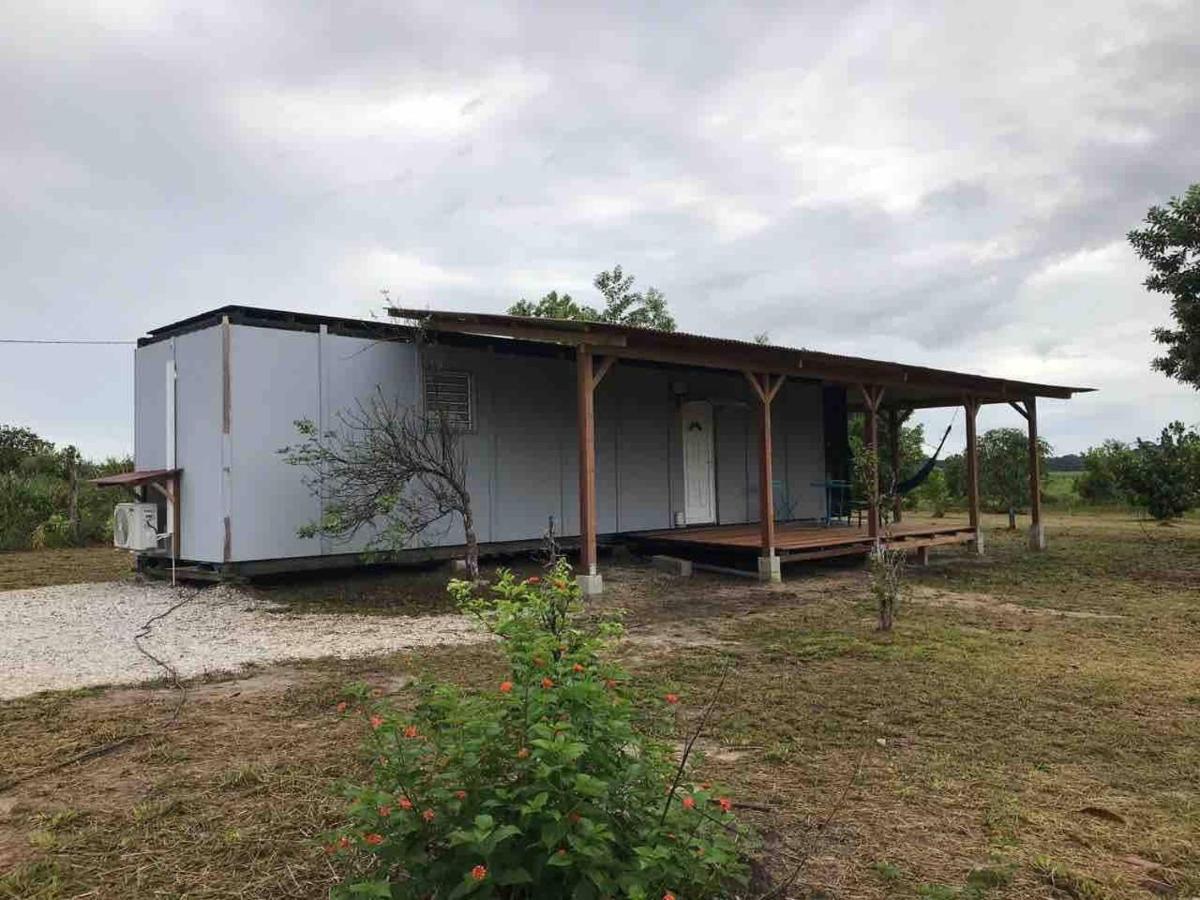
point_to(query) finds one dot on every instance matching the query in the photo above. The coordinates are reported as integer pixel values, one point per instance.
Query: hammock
(918, 478)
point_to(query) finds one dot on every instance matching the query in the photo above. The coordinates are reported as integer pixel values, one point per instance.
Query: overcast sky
(947, 186)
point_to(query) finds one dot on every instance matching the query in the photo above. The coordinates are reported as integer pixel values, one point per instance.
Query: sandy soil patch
(73, 636)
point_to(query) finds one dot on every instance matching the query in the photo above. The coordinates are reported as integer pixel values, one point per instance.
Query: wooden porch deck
(796, 541)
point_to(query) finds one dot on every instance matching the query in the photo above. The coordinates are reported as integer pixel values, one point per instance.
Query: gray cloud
(945, 184)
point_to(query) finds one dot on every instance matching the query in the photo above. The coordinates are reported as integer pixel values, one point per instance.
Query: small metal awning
(134, 479)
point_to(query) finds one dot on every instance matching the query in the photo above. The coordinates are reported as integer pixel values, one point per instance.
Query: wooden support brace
(606, 363)
(752, 377)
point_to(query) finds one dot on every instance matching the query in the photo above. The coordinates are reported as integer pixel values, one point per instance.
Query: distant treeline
(1160, 477)
(45, 497)
(1068, 462)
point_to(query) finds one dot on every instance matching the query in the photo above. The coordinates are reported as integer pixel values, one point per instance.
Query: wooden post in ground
(872, 397)
(765, 388)
(588, 577)
(894, 450)
(1037, 532)
(971, 407)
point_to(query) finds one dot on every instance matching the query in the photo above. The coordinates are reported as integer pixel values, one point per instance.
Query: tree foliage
(912, 453)
(622, 304)
(1163, 476)
(1105, 469)
(391, 471)
(18, 445)
(1170, 243)
(1004, 469)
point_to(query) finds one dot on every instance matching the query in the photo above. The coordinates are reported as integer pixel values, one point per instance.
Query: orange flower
(385, 811)
(547, 683)
(689, 802)
(461, 795)
(560, 583)
(331, 849)
(522, 753)
(672, 698)
(429, 815)
(376, 721)
(610, 683)
(411, 732)
(506, 687)
(374, 839)
(343, 842)
(405, 803)
(725, 803)
(533, 579)
(341, 707)
(668, 896)
(479, 873)
(577, 667)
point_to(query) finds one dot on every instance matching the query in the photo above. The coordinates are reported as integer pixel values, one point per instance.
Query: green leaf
(590, 786)
(517, 875)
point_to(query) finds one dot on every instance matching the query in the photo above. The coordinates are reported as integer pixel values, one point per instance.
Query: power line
(24, 341)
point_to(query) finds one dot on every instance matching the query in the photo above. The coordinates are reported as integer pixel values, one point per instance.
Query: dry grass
(1010, 751)
(39, 568)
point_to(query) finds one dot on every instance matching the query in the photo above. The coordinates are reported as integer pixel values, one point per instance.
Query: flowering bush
(540, 787)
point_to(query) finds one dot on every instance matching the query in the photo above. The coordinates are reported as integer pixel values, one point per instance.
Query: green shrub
(25, 503)
(1163, 477)
(52, 534)
(540, 787)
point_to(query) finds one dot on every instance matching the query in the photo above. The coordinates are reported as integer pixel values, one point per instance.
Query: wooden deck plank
(805, 539)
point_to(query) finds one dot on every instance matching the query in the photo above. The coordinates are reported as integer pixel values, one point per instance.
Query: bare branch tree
(390, 470)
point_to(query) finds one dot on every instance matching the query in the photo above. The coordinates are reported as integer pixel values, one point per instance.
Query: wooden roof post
(872, 397)
(894, 452)
(765, 388)
(1037, 532)
(585, 378)
(971, 406)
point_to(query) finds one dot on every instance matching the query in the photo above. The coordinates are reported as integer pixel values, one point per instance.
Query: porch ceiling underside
(905, 386)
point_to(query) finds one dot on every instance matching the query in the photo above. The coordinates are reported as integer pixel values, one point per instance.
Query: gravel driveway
(82, 634)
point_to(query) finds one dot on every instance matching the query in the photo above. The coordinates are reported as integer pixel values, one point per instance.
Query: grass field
(39, 568)
(1031, 729)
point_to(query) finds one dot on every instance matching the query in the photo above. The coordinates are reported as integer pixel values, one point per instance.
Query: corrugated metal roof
(833, 366)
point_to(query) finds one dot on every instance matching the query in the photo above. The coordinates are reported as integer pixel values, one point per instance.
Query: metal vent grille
(449, 394)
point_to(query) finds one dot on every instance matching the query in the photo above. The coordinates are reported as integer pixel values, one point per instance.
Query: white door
(699, 475)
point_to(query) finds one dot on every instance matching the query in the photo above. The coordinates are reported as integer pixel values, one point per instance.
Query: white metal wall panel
(352, 370)
(643, 405)
(198, 441)
(273, 376)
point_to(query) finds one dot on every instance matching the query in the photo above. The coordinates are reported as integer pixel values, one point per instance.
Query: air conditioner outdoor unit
(135, 526)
